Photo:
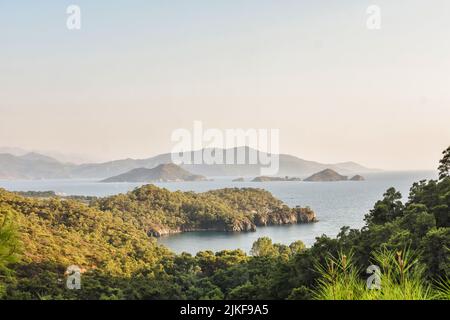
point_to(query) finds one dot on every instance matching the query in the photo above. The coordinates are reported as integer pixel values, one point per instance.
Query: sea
(336, 204)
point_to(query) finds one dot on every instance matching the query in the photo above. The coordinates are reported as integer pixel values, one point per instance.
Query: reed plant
(400, 277)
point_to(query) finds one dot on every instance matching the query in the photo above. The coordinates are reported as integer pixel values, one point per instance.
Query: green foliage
(56, 233)
(442, 289)
(158, 211)
(435, 247)
(400, 279)
(297, 247)
(339, 279)
(264, 247)
(444, 164)
(9, 245)
(387, 209)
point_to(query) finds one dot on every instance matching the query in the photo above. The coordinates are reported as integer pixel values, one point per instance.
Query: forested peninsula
(159, 211)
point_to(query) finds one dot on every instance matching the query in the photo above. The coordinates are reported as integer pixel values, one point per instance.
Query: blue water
(336, 204)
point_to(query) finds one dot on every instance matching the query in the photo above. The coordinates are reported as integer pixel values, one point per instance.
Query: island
(159, 211)
(168, 172)
(238, 179)
(357, 178)
(326, 175)
(266, 179)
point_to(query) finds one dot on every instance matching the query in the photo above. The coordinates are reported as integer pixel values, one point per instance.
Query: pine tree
(9, 245)
(444, 164)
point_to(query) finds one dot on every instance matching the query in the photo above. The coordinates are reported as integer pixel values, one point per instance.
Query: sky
(138, 70)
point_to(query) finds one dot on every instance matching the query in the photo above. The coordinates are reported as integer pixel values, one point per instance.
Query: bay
(336, 204)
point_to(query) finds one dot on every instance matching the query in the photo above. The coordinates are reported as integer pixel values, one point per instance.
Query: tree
(444, 164)
(264, 247)
(8, 240)
(300, 293)
(387, 209)
(436, 252)
(297, 247)
(9, 244)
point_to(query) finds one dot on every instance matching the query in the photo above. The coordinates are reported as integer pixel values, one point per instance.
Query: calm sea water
(336, 204)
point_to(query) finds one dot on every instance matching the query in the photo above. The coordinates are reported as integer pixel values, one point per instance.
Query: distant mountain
(33, 156)
(357, 178)
(326, 175)
(13, 151)
(59, 156)
(289, 166)
(32, 166)
(38, 166)
(351, 167)
(163, 173)
(67, 157)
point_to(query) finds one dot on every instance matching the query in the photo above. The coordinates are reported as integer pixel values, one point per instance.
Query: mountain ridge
(32, 166)
(43, 167)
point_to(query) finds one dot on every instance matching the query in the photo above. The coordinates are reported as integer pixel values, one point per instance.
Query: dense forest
(109, 239)
(158, 211)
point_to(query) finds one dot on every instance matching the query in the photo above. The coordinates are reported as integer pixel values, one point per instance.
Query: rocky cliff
(283, 216)
(159, 211)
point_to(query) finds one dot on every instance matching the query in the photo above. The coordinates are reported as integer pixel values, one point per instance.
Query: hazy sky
(137, 70)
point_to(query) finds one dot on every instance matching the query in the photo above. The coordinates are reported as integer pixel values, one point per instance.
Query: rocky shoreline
(283, 216)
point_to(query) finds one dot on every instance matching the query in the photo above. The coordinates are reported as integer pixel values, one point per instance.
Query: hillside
(56, 233)
(158, 211)
(326, 175)
(163, 173)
